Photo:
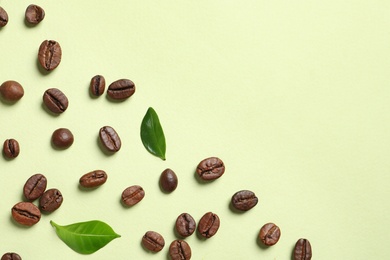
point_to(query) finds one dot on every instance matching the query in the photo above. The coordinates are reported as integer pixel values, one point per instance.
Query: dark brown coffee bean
(302, 250)
(93, 179)
(208, 225)
(11, 148)
(35, 186)
(110, 139)
(55, 100)
(11, 91)
(3, 17)
(185, 225)
(121, 89)
(26, 213)
(62, 138)
(210, 168)
(269, 234)
(49, 54)
(180, 250)
(244, 200)
(153, 241)
(34, 14)
(97, 85)
(168, 180)
(11, 256)
(132, 195)
(50, 200)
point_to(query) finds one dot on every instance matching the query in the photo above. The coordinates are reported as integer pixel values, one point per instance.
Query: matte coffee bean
(97, 85)
(185, 225)
(180, 250)
(3, 17)
(35, 186)
(26, 213)
(11, 256)
(93, 179)
(34, 14)
(269, 234)
(11, 148)
(62, 138)
(168, 180)
(49, 54)
(50, 200)
(208, 225)
(132, 195)
(210, 168)
(55, 100)
(302, 250)
(244, 200)
(110, 139)
(121, 89)
(11, 91)
(153, 241)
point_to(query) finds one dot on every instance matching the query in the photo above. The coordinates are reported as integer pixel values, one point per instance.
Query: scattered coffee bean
(110, 139)
(11, 256)
(208, 225)
(302, 250)
(50, 200)
(244, 200)
(55, 100)
(26, 213)
(180, 250)
(210, 168)
(3, 17)
(97, 85)
(121, 89)
(34, 14)
(93, 179)
(35, 186)
(49, 54)
(153, 241)
(269, 234)
(168, 180)
(132, 195)
(11, 148)
(11, 91)
(185, 225)
(62, 138)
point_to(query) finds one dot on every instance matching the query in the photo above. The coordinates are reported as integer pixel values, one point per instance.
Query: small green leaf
(152, 135)
(85, 237)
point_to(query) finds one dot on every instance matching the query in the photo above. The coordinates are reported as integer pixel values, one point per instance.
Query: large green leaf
(152, 134)
(85, 237)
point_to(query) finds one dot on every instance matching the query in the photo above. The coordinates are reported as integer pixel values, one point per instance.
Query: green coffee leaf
(85, 237)
(152, 135)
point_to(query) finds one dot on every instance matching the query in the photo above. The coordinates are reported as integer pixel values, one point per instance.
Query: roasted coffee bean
(210, 168)
(11, 256)
(110, 139)
(11, 148)
(153, 241)
(34, 14)
(168, 180)
(62, 138)
(11, 91)
(208, 225)
(35, 186)
(97, 85)
(93, 179)
(269, 234)
(121, 89)
(50, 200)
(302, 250)
(55, 100)
(244, 200)
(185, 225)
(179, 250)
(132, 195)
(49, 54)
(3, 17)
(26, 213)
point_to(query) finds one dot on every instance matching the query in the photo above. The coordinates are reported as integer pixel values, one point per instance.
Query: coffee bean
(153, 241)
(97, 85)
(179, 250)
(34, 14)
(3, 17)
(244, 200)
(93, 179)
(11, 256)
(302, 250)
(49, 54)
(132, 195)
(62, 138)
(11, 91)
(11, 148)
(110, 139)
(168, 180)
(26, 213)
(50, 200)
(210, 168)
(121, 89)
(55, 100)
(35, 186)
(208, 225)
(185, 225)
(269, 234)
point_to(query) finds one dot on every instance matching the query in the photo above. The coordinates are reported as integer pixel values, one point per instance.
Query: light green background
(292, 95)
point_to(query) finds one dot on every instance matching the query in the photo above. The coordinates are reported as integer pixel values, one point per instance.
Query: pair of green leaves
(152, 134)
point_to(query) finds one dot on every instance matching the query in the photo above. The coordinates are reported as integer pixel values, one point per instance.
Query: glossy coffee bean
(11, 91)
(55, 100)
(302, 250)
(50, 200)
(3, 17)
(180, 250)
(62, 138)
(210, 168)
(35, 186)
(208, 225)
(93, 179)
(97, 85)
(11, 148)
(153, 241)
(11, 256)
(185, 225)
(34, 14)
(168, 180)
(121, 89)
(244, 200)
(49, 54)
(133, 195)
(110, 139)
(269, 234)
(26, 213)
